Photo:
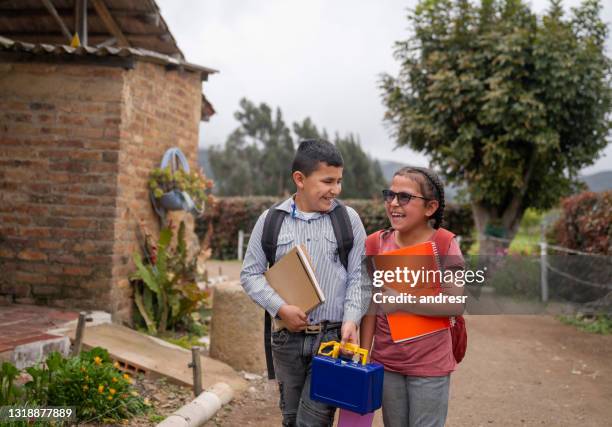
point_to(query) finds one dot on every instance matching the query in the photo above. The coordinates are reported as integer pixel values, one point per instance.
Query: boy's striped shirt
(347, 296)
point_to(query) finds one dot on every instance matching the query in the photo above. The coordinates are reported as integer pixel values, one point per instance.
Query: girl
(417, 372)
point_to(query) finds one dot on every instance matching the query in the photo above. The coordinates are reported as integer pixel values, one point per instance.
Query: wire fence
(546, 271)
(565, 275)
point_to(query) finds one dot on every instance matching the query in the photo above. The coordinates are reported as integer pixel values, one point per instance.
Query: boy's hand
(293, 316)
(349, 332)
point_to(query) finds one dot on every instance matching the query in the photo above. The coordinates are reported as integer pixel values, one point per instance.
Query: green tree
(234, 165)
(509, 103)
(257, 156)
(362, 176)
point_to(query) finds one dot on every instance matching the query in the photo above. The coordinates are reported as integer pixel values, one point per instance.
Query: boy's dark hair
(312, 151)
(431, 187)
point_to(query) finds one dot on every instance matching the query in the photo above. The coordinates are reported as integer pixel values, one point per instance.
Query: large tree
(257, 156)
(508, 103)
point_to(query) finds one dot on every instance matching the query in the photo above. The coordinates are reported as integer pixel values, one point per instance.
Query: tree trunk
(496, 230)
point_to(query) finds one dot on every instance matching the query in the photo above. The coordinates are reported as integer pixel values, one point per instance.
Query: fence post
(543, 263)
(196, 365)
(240, 244)
(78, 336)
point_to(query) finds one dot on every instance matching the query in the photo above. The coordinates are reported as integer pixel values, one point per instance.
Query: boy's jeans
(292, 354)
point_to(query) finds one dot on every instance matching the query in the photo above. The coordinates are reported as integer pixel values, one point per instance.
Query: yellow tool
(335, 351)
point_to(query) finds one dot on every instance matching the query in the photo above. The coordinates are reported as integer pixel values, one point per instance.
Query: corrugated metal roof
(8, 45)
(140, 21)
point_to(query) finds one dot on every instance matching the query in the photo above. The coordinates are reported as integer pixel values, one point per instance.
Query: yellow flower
(127, 377)
(115, 379)
(112, 391)
(110, 397)
(97, 360)
(147, 401)
(116, 365)
(134, 393)
(100, 388)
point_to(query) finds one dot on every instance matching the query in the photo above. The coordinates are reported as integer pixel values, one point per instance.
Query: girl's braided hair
(431, 188)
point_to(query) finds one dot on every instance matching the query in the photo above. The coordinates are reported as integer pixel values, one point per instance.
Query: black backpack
(343, 231)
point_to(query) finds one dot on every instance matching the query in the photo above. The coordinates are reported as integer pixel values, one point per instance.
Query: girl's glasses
(403, 198)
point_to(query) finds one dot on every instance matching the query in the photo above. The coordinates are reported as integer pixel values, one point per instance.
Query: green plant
(166, 292)
(94, 385)
(90, 382)
(193, 183)
(597, 324)
(585, 223)
(9, 392)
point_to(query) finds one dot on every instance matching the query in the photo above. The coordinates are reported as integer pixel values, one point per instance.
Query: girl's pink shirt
(428, 356)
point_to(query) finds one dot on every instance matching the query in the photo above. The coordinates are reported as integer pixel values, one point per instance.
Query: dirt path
(519, 370)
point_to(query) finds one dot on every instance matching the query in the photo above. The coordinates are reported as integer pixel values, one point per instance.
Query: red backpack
(442, 239)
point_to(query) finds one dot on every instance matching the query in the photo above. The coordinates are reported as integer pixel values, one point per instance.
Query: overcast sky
(317, 58)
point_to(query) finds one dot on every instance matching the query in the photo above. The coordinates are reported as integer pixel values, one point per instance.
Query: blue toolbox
(348, 384)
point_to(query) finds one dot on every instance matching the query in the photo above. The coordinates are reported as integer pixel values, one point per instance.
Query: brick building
(80, 130)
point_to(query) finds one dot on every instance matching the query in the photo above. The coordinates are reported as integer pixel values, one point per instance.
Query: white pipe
(201, 409)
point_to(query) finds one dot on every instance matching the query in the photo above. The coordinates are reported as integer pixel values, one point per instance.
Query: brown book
(293, 278)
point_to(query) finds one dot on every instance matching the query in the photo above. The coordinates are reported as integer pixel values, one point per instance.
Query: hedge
(585, 223)
(231, 214)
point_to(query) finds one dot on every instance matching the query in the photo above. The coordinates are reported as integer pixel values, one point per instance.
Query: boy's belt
(310, 329)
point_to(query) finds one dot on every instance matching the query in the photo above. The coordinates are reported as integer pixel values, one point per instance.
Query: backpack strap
(373, 243)
(269, 238)
(443, 238)
(341, 223)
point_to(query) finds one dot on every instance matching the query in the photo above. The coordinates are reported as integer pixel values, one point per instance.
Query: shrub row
(229, 215)
(585, 223)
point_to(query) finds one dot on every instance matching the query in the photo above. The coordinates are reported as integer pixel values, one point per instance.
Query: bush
(229, 215)
(585, 223)
(166, 292)
(89, 382)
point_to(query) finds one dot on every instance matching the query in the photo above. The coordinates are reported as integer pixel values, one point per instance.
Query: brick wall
(161, 110)
(76, 145)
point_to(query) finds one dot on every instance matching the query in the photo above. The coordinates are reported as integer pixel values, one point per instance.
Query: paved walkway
(22, 324)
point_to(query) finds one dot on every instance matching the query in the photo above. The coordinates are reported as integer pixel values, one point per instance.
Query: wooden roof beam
(80, 20)
(151, 18)
(110, 22)
(57, 18)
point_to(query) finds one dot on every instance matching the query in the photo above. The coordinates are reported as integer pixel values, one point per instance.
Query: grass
(598, 324)
(527, 239)
(185, 341)
(156, 418)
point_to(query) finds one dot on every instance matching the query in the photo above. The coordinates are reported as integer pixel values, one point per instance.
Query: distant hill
(600, 181)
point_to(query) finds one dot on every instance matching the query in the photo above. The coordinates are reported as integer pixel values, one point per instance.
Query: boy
(317, 173)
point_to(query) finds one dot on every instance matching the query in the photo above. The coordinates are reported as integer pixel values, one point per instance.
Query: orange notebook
(423, 256)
